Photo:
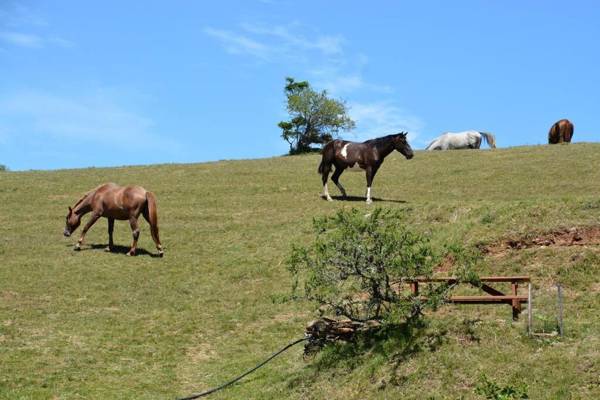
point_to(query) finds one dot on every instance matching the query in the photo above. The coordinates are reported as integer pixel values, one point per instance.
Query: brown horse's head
(73, 221)
(401, 144)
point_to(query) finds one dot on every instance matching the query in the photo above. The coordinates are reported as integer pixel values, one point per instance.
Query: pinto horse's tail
(326, 158)
(151, 215)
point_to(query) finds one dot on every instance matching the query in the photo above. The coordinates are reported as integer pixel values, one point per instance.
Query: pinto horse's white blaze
(344, 151)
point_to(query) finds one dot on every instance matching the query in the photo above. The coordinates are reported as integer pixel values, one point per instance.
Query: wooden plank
(516, 304)
(414, 287)
(451, 279)
(487, 299)
(491, 290)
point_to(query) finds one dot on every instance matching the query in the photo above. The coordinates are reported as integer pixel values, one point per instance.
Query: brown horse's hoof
(131, 253)
(77, 247)
(161, 253)
(108, 249)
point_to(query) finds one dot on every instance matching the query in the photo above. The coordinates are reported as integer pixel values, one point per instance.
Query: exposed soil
(578, 236)
(446, 264)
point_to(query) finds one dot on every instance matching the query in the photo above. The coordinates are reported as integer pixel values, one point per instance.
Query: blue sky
(140, 82)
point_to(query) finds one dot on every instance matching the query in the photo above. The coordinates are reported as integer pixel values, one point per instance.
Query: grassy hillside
(91, 324)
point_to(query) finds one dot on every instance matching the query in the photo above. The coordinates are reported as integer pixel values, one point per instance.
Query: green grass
(91, 324)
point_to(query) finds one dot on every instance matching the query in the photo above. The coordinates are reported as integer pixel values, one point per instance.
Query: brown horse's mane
(84, 197)
(80, 201)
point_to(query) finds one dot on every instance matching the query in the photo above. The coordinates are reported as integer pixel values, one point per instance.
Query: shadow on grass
(117, 250)
(395, 343)
(363, 199)
(392, 345)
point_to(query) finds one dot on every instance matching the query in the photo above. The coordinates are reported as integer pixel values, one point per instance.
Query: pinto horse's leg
(135, 230)
(111, 228)
(325, 176)
(335, 178)
(371, 171)
(87, 226)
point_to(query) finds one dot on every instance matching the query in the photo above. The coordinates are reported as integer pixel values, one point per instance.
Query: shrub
(492, 391)
(358, 267)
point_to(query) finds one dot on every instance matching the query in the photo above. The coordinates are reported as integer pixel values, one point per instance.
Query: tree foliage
(359, 266)
(314, 117)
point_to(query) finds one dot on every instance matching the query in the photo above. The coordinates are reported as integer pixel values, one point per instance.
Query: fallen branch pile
(325, 330)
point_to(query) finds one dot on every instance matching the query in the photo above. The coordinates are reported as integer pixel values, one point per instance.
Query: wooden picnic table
(494, 295)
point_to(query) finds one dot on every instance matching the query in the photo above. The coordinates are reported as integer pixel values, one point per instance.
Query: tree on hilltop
(314, 117)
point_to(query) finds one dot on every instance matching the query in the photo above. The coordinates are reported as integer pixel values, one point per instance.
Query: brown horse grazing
(367, 155)
(115, 202)
(561, 132)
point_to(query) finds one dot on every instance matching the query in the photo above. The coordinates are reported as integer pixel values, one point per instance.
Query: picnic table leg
(414, 287)
(529, 310)
(516, 304)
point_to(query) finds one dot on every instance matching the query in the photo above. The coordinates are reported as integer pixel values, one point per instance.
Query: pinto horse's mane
(382, 139)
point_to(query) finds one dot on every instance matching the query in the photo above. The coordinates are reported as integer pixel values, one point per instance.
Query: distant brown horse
(115, 202)
(367, 155)
(561, 132)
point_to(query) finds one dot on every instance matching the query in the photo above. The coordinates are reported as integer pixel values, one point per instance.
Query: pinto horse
(461, 140)
(367, 155)
(115, 202)
(561, 132)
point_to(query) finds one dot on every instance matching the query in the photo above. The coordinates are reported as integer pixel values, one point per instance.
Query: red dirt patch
(580, 236)
(446, 264)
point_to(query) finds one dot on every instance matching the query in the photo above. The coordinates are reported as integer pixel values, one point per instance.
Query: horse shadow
(116, 249)
(363, 199)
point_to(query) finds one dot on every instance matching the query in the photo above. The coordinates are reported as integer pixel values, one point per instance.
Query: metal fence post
(529, 310)
(560, 310)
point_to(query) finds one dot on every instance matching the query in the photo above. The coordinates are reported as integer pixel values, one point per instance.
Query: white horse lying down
(462, 140)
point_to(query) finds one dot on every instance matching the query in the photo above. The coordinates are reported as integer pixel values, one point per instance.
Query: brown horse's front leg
(87, 226)
(135, 230)
(111, 228)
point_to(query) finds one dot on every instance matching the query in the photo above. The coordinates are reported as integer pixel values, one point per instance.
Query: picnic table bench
(494, 295)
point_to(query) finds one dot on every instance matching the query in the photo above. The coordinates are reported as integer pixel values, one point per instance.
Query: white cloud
(14, 14)
(32, 40)
(338, 83)
(274, 43)
(289, 40)
(21, 39)
(91, 118)
(235, 43)
(23, 27)
(328, 66)
(383, 118)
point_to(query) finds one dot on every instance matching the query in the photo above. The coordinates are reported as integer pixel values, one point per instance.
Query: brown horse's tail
(569, 131)
(552, 135)
(151, 215)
